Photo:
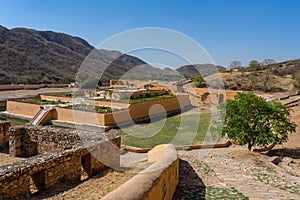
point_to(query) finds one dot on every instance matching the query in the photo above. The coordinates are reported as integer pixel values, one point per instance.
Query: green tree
(296, 79)
(252, 120)
(254, 65)
(199, 81)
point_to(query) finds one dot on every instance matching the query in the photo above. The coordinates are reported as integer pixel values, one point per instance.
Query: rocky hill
(197, 69)
(30, 56)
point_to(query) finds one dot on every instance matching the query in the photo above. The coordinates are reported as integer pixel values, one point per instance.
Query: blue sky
(228, 29)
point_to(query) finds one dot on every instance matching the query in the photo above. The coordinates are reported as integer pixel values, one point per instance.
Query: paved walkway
(216, 174)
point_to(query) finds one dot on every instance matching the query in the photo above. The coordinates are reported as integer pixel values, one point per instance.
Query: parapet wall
(48, 169)
(20, 108)
(158, 181)
(4, 136)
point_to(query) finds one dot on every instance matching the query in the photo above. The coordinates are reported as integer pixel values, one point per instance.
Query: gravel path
(7, 94)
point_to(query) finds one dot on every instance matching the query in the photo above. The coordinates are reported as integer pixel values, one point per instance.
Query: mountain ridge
(29, 56)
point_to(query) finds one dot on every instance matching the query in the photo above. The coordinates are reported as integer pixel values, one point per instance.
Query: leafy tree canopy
(296, 79)
(254, 65)
(252, 120)
(199, 81)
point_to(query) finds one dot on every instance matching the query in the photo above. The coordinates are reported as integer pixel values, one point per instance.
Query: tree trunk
(249, 146)
(268, 148)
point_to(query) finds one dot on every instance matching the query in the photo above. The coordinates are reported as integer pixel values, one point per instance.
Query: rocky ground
(90, 189)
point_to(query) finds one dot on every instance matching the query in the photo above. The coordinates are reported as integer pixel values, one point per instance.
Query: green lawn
(152, 98)
(41, 101)
(178, 130)
(63, 95)
(92, 108)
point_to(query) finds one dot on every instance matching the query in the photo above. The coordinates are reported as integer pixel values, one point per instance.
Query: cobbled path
(214, 174)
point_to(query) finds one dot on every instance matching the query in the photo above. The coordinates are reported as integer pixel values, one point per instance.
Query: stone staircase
(40, 116)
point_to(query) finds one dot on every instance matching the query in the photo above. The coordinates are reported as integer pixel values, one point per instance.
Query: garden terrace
(39, 101)
(148, 98)
(138, 111)
(63, 95)
(92, 108)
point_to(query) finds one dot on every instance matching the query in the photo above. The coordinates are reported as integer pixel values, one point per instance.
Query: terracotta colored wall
(136, 111)
(21, 108)
(158, 181)
(213, 96)
(20, 87)
(77, 116)
(54, 98)
(141, 110)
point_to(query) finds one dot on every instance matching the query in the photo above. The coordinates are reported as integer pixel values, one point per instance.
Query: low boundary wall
(136, 111)
(36, 86)
(189, 147)
(158, 181)
(20, 108)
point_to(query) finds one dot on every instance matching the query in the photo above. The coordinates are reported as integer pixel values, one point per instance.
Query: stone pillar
(15, 141)
(4, 136)
(20, 143)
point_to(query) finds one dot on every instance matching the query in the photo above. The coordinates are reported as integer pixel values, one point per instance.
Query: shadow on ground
(62, 187)
(285, 152)
(190, 185)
